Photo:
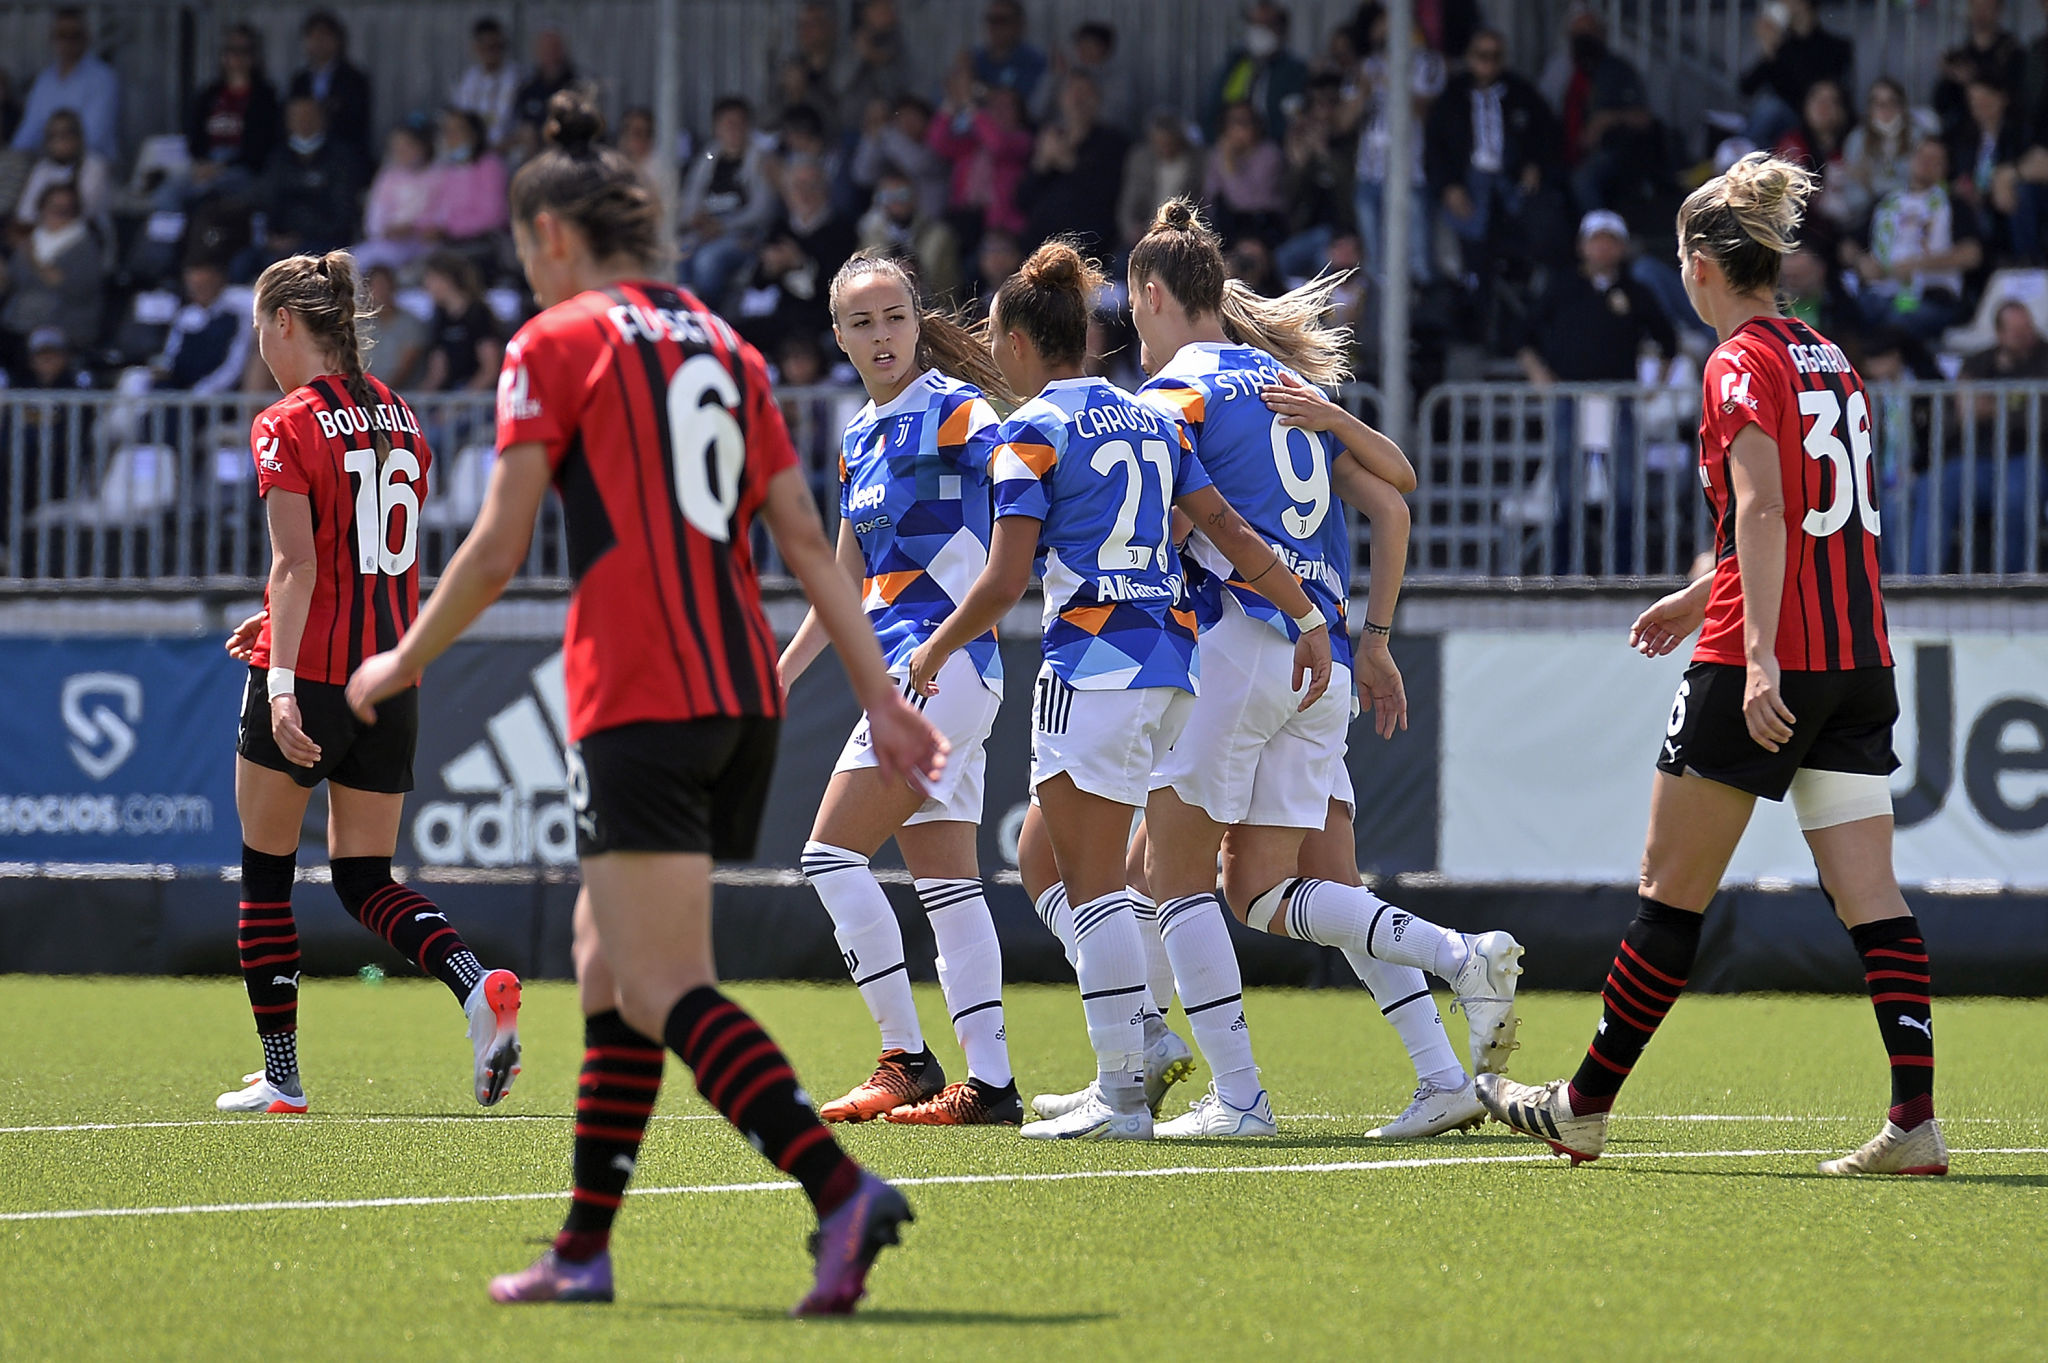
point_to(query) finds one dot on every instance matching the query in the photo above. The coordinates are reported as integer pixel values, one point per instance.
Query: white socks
(1197, 942)
(970, 973)
(1111, 966)
(1403, 996)
(1058, 916)
(1158, 966)
(869, 940)
(1353, 918)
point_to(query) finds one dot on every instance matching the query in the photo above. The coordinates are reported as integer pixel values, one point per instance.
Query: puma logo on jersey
(291, 979)
(423, 917)
(1924, 1026)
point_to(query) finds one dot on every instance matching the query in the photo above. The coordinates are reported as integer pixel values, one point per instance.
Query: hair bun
(574, 124)
(1177, 215)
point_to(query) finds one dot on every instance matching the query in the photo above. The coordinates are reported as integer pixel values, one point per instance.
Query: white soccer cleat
(1167, 1062)
(1060, 1104)
(1091, 1121)
(1545, 1113)
(260, 1096)
(1896, 1151)
(493, 1010)
(1485, 989)
(1434, 1111)
(1211, 1116)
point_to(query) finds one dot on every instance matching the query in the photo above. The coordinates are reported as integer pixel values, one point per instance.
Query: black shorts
(693, 785)
(374, 757)
(1842, 721)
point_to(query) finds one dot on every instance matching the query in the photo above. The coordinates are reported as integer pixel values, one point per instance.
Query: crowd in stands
(1540, 242)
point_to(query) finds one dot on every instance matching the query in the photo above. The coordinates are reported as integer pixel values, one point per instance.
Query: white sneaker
(1060, 1104)
(1211, 1116)
(1895, 1150)
(1091, 1121)
(260, 1096)
(1485, 989)
(493, 1009)
(1545, 1113)
(1167, 1061)
(1434, 1111)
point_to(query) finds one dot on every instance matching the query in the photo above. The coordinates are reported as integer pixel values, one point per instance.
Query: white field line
(934, 1180)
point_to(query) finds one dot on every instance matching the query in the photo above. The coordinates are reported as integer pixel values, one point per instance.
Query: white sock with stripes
(869, 941)
(1353, 918)
(1158, 966)
(1058, 916)
(1112, 971)
(970, 973)
(1212, 991)
(1402, 992)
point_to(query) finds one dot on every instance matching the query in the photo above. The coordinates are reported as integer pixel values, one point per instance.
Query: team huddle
(1191, 711)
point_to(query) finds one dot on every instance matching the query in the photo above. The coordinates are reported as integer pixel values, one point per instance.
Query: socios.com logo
(100, 709)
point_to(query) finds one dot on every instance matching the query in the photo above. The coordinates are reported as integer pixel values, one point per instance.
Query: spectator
(209, 339)
(874, 67)
(40, 448)
(1242, 184)
(74, 80)
(803, 138)
(895, 140)
(636, 140)
(1592, 326)
(1249, 262)
(398, 352)
(399, 222)
(1260, 71)
(53, 278)
(999, 256)
(1488, 142)
(1988, 53)
(1876, 152)
(898, 224)
(1812, 294)
(1166, 165)
(330, 77)
(1921, 245)
(1093, 54)
(806, 76)
(464, 345)
(1076, 170)
(1316, 184)
(728, 201)
(66, 160)
(490, 84)
(1792, 55)
(1368, 111)
(313, 186)
(787, 294)
(1609, 135)
(552, 71)
(1004, 60)
(1971, 483)
(1984, 156)
(233, 124)
(990, 149)
(471, 180)
(1820, 143)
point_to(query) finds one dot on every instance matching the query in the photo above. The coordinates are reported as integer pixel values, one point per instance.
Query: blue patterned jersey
(1277, 477)
(1102, 472)
(914, 484)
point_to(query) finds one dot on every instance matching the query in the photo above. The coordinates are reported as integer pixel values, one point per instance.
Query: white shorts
(1248, 755)
(1108, 742)
(964, 711)
(1342, 792)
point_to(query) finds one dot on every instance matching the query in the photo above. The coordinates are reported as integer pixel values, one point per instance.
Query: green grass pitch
(1705, 1231)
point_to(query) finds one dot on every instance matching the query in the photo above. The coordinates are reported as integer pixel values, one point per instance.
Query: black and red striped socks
(1648, 974)
(614, 1100)
(408, 920)
(742, 1072)
(1901, 986)
(267, 939)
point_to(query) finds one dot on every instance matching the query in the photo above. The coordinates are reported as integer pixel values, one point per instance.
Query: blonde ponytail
(1293, 328)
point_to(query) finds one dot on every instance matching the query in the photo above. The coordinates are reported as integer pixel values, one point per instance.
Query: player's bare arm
(1308, 408)
(293, 565)
(1379, 680)
(1259, 567)
(1760, 553)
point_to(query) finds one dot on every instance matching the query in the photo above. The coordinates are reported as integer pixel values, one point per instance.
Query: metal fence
(1572, 481)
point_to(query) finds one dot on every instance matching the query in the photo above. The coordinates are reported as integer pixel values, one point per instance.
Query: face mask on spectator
(1888, 126)
(458, 152)
(1261, 42)
(306, 146)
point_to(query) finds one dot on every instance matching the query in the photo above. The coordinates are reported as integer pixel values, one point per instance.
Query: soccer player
(1085, 481)
(1790, 687)
(656, 425)
(342, 469)
(1255, 754)
(913, 534)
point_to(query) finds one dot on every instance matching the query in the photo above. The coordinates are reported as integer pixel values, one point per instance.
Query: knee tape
(1824, 799)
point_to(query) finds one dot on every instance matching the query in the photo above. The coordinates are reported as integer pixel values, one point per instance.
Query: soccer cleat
(1485, 989)
(493, 1009)
(1211, 1116)
(900, 1080)
(845, 1245)
(1093, 1120)
(1049, 1105)
(1167, 1061)
(1896, 1151)
(1434, 1111)
(1545, 1113)
(260, 1096)
(552, 1278)
(972, 1103)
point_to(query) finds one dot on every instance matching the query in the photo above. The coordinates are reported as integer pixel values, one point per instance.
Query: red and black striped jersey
(366, 517)
(663, 435)
(1802, 391)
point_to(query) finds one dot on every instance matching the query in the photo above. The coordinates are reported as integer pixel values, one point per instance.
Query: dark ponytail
(1050, 299)
(591, 186)
(322, 292)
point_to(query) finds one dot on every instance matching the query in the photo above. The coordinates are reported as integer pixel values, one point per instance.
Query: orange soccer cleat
(972, 1103)
(900, 1079)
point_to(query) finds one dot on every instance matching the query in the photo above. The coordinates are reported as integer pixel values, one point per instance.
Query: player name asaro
(361, 420)
(1819, 359)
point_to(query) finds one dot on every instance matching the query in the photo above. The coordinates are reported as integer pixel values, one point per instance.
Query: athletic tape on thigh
(1825, 799)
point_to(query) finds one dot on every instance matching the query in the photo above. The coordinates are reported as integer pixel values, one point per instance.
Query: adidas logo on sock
(1240, 1025)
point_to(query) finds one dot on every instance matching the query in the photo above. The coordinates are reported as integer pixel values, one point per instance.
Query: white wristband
(282, 681)
(1313, 619)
